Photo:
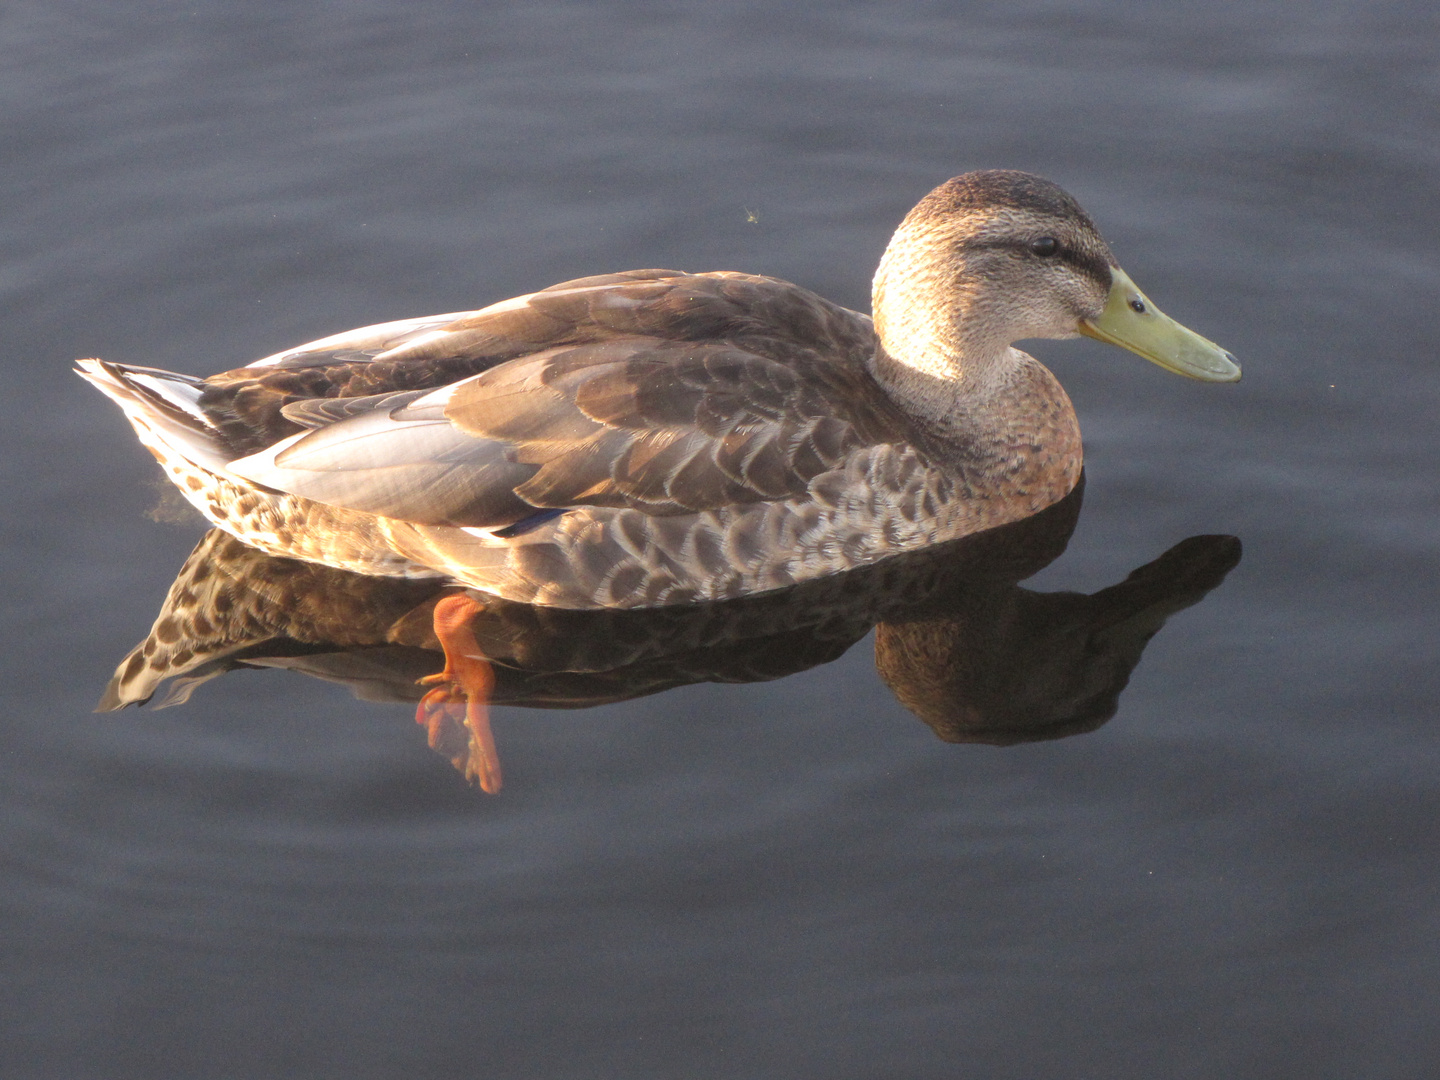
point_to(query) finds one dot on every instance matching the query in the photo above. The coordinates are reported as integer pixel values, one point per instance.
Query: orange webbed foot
(460, 701)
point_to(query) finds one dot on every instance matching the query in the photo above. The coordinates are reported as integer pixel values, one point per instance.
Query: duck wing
(664, 426)
(247, 405)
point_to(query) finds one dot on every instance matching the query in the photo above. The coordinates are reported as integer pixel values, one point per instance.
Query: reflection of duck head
(960, 644)
(1007, 665)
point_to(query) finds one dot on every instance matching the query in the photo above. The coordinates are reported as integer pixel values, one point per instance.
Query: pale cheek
(1062, 324)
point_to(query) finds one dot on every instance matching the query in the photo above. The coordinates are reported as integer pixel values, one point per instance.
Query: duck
(655, 437)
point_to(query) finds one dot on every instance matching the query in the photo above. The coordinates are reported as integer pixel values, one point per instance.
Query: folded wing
(664, 426)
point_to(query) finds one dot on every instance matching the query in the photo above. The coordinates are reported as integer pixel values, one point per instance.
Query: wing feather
(666, 392)
(381, 462)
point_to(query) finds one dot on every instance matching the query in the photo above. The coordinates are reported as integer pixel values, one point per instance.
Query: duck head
(994, 257)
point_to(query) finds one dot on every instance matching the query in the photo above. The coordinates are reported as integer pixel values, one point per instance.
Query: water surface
(1234, 876)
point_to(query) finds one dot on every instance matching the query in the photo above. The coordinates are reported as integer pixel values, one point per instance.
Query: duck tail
(164, 408)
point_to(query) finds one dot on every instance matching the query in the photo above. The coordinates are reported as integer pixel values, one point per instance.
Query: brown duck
(653, 437)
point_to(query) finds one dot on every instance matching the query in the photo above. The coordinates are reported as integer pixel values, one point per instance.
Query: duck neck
(938, 357)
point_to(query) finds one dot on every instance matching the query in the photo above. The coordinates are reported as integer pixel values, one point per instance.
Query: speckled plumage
(654, 437)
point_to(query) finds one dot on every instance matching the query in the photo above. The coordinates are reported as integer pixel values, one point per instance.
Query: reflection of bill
(960, 644)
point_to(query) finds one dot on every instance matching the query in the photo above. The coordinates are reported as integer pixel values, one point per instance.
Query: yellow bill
(1131, 321)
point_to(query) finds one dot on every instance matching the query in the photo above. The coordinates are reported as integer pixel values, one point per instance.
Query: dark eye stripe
(1092, 266)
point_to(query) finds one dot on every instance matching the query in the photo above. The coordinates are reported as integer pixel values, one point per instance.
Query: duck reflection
(960, 644)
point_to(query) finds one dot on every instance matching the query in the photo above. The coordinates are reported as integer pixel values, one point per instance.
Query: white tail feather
(164, 409)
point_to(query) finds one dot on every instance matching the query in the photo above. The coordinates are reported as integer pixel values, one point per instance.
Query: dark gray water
(1236, 876)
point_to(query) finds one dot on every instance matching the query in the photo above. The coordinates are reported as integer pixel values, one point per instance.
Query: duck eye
(1045, 246)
